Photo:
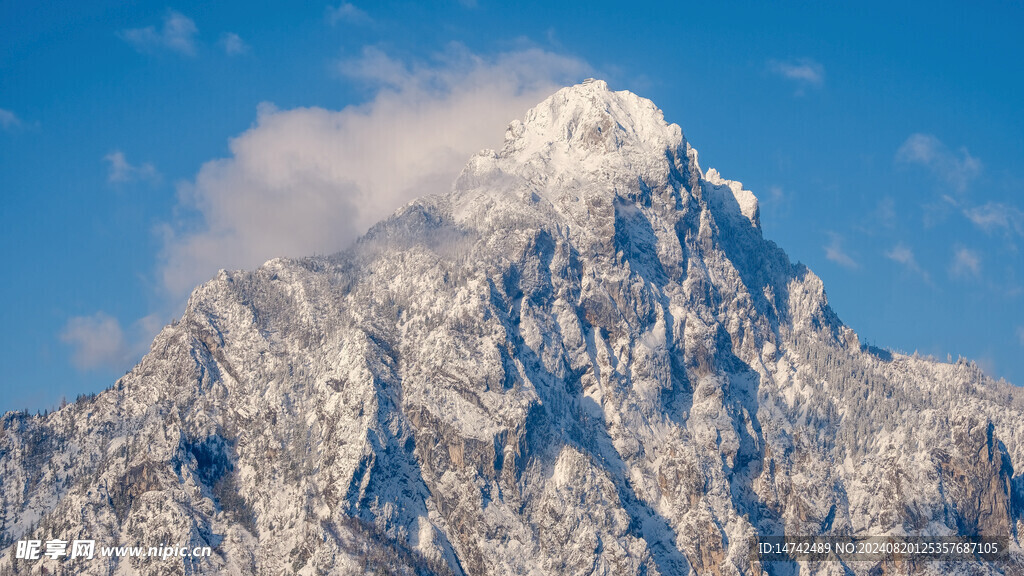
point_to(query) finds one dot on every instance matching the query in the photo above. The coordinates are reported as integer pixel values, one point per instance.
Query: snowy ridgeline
(585, 359)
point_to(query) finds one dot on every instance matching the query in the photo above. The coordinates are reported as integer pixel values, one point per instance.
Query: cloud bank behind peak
(310, 180)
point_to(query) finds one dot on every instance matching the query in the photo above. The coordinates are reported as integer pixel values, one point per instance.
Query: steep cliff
(584, 359)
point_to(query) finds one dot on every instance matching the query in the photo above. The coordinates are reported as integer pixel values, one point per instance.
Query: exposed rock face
(585, 359)
(978, 479)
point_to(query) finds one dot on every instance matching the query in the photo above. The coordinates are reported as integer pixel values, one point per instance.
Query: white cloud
(377, 68)
(900, 253)
(176, 35)
(9, 120)
(121, 171)
(958, 169)
(993, 216)
(346, 12)
(834, 252)
(965, 264)
(1020, 335)
(903, 254)
(309, 180)
(805, 72)
(233, 44)
(99, 341)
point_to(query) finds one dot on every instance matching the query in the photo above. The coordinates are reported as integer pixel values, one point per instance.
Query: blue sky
(145, 145)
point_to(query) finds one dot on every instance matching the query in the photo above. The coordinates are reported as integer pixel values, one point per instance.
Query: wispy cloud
(965, 264)
(1020, 335)
(885, 212)
(776, 203)
(120, 171)
(375, 67)
(995, 216)
(903, 254)
(178, 34)
(99, 342)
(9, 120)
(834, 251)
(805, 72)
(937, 211)
(957, 169)
(349, 13)
(233, 44)
(309, 180)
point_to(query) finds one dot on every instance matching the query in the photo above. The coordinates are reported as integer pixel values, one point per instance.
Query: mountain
(584, 359)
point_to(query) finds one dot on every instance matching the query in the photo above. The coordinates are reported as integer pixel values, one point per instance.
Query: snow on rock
(584, 359)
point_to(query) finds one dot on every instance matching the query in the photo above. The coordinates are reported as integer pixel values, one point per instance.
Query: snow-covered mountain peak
(586, 144)
(586, 359)
(585, 131)
(589, 117)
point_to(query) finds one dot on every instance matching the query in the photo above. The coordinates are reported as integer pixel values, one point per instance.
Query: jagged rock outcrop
(584, 359)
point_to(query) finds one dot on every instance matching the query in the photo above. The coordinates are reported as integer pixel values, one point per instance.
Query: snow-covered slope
(585, 359)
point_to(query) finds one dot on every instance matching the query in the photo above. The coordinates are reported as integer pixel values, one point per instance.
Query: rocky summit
(583, 359)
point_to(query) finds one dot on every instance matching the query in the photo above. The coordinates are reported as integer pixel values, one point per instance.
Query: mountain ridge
(584, 359)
